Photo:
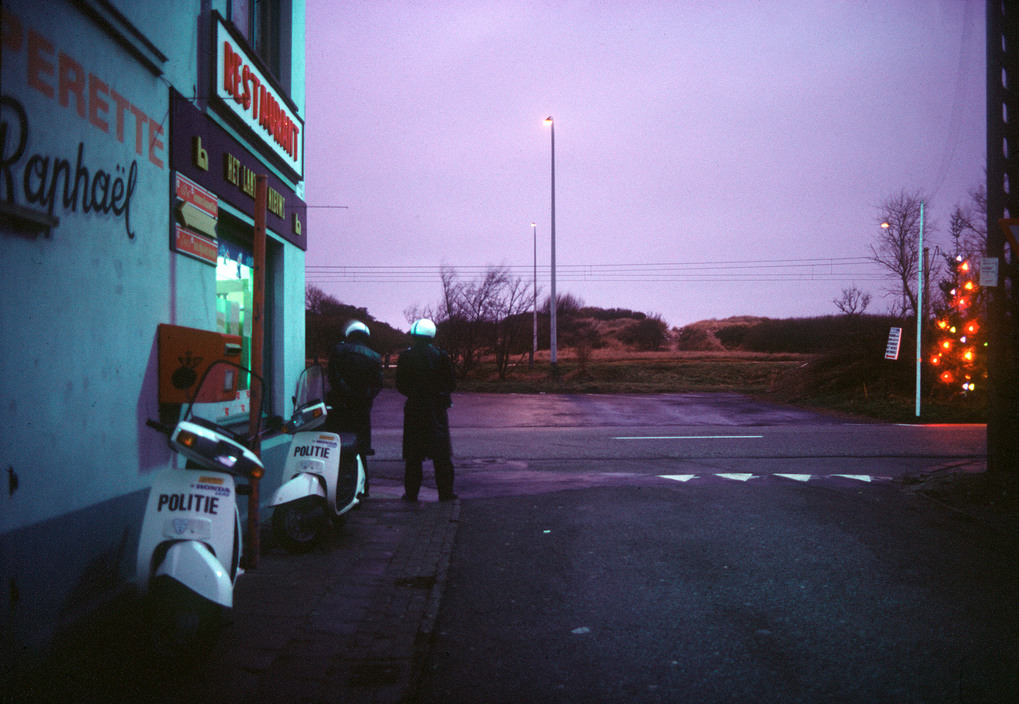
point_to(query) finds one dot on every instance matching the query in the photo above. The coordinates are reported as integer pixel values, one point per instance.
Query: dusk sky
(713, 159)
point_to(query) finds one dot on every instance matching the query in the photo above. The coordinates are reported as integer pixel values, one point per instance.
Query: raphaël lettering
(47, 180)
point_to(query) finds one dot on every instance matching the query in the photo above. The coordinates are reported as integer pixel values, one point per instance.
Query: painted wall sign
(55, 183)
(206, 154)
(85, 98)
(250, 94)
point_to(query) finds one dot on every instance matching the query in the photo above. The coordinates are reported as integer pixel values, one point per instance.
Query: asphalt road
(666, 433)
(711, 549)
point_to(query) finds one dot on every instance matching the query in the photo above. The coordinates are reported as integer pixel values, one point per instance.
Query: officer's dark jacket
(355, 374)
(424, 374)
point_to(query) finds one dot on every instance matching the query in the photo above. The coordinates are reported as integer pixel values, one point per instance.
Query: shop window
(266, 26)
(235, 291)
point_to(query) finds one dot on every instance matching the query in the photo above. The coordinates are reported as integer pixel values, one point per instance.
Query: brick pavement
(348, 622)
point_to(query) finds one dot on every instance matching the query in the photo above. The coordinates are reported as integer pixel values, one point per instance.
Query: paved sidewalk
(349, 622)
(345, 622)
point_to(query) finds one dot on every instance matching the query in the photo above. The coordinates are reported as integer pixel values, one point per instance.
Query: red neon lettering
(283, 138)
(255, 89)
(236, 62)
(97, 105)
(228, 62)
(260, 113)
(38, 65)
(266, 116)
(245, 99)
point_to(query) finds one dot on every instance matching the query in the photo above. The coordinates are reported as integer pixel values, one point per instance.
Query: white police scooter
(326, 474)
(189, 549)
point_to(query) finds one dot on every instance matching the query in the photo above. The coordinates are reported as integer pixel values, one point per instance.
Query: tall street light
(921, 263)
(919, 312)
(534, 292)
(553, 304)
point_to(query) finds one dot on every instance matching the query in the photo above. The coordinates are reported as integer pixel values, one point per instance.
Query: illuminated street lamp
(919, 309)
(552, 300)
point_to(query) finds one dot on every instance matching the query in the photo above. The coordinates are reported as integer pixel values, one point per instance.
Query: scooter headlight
(187, 439)
(227, 461)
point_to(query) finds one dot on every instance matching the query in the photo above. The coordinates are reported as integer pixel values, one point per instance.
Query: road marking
(745, 477)
(690, 437)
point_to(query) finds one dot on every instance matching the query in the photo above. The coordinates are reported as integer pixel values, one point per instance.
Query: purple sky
(735, 140)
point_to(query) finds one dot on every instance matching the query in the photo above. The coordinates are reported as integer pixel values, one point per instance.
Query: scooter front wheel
(181, 622)
(298, 525)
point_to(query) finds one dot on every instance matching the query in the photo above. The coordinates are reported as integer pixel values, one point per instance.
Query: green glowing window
(234, 294)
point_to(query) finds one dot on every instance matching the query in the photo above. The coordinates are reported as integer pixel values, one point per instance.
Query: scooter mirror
(308, 417)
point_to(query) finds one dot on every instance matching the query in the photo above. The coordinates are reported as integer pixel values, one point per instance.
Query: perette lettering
(93, 190)
(63, 79)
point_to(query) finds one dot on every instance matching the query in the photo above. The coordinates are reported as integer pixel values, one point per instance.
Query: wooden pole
(257, 341)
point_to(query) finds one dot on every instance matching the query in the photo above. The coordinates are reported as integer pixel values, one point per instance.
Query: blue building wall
(89, 268)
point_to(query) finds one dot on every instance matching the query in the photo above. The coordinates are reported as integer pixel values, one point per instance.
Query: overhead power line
(821, 269)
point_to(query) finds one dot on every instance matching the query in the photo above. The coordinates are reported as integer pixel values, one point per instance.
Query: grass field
(781, 378)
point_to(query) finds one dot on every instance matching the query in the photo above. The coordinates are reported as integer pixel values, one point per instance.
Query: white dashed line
(689, 437)
(745, 477)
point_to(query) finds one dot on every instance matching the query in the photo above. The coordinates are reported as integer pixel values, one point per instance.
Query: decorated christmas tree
(959, 353)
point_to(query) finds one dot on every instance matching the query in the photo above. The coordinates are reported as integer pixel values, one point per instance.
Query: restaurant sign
(252, 97)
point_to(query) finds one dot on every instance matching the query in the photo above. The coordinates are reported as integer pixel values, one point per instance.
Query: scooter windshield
(225, 397)
(311, 387)
(309, 399)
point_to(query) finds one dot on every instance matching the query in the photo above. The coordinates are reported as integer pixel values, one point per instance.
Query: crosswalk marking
(746, 477)
(738, 477)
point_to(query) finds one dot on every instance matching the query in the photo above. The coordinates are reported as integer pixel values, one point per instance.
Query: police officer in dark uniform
(424, 374)
(355, 379)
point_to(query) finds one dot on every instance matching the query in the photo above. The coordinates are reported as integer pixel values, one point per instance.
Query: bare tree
(896, 246)
(973, 239)
(853, 302)
(484, 314)
(513, 327)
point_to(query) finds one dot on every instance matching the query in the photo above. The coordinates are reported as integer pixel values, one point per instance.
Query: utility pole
(1002, 162)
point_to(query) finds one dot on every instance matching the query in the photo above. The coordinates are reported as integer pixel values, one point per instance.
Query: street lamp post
(921, 263)
(919, 312)
(534, 292)
(553, 304)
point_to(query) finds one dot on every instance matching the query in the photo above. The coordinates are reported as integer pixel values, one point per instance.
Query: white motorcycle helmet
(354, 327)
(423, 328)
